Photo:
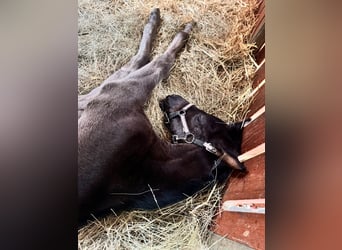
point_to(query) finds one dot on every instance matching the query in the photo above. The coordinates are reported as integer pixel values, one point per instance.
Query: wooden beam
(256, 114)
(246, 228)
(250, 185)
(256, 206)
(254, 134)
(258, 150)
(259, 75)
(258, 100)
(260, 54)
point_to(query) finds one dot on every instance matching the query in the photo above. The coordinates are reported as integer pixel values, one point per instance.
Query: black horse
(122, 163)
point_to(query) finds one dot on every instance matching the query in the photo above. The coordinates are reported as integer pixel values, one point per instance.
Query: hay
(181, 226)
(214, 72)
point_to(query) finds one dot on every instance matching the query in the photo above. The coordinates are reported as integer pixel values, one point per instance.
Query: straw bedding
(214, 72)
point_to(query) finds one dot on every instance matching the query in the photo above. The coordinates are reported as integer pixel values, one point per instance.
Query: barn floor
(221, 243)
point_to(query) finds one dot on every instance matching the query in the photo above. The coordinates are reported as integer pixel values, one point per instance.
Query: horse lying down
(122, 163)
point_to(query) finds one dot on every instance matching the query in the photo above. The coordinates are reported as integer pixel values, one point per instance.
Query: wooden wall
(246, 227)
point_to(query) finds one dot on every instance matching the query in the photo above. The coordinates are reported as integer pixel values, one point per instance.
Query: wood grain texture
(258, 101)
(249, 186)
(259, 38)
(259, 76)
(258, 33)
(245, 228)
(260, 54)
(254, 134)
(260, 14)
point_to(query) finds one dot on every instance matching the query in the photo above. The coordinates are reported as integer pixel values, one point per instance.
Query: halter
(187, 136)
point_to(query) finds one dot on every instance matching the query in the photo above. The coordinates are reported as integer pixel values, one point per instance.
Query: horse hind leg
(165, 62)
(147, 77)
(139, 60)
(179, 41)
(160, 67)
(143, 55)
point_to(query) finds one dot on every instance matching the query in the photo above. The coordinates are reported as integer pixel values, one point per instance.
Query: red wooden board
(260, 55)
(249, 228)
(259, 76)
(250, 186)
(253, 134)
(258, 102)
(245, 228)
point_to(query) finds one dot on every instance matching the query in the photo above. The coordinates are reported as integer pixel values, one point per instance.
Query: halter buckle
(175, 139)
(210, 148)
(187, 138)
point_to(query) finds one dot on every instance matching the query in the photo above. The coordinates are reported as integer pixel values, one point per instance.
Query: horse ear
(232, 161)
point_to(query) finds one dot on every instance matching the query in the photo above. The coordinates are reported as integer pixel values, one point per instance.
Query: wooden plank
(258, 33)
(255, 90)
(252, 153)
(261, 7)
(258, 102)
(249, 186)
(260, 54)
(259, 37)
(240, 227)
(260, 13)
(245, 228)
(254, 134)
(259, 75)
(255, 116)
(256, 206)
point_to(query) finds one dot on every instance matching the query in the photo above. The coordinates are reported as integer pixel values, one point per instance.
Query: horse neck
(178, 162)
